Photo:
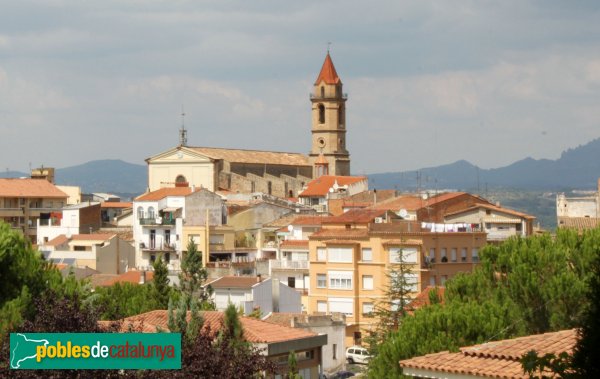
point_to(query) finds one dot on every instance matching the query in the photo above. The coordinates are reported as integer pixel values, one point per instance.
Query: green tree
(395, 303)
(125, 299)
(293, 366)
(161, 291)
(192, 278)
(523, 286)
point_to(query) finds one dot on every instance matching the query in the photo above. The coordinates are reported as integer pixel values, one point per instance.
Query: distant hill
(576, 168)
(110, 175)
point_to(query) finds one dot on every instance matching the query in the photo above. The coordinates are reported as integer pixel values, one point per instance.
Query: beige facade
(348, 267)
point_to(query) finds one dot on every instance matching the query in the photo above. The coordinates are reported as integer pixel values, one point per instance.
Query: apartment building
(348, 264)
(24, 201)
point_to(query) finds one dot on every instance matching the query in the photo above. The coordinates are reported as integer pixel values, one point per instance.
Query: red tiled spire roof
(328, 73)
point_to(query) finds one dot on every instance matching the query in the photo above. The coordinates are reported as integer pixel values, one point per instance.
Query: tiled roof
(234, 282)
(328, 73)
(255, 331)
(369, 196)
(499, 359)
(160, 194)
(408, 202)
(130, 277)
(361, 216)
(321, 185)
(309, 220)
(294, 243)
(38, 188)
(284, 319)
(253, 156)
(58, 240)
(92, 237)
(422, 299)
(579, 223)
(494, 208)
(115, 204)
(340, 233)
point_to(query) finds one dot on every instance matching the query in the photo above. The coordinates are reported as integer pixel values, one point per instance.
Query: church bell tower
(329, 123)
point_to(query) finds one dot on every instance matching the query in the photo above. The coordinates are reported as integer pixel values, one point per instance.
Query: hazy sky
(429, 82)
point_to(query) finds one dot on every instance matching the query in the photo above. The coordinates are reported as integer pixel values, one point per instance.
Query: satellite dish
(290, 228)
(403, 213)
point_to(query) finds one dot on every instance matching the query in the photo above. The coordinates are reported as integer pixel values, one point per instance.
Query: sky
(428, 82)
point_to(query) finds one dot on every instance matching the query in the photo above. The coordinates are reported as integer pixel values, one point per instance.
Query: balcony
(11, 212)
(284, 264)
(158, 246)
(158, 221)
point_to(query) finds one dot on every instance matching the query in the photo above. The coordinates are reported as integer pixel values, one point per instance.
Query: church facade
(280, 174)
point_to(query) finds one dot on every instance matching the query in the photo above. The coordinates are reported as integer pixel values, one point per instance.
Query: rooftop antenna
(182, 131)
(328, 46)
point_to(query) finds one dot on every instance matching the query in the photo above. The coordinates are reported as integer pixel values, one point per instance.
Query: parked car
(342, 375)
(357, 354)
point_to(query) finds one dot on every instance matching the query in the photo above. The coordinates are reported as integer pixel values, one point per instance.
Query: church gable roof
(253, 156)
(328, 73)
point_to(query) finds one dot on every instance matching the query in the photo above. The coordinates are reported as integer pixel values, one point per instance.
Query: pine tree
(192, 278)
(160, 283)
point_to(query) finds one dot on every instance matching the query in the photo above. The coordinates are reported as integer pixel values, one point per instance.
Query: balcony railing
(158, 246)
(284, 264)
(157, 221)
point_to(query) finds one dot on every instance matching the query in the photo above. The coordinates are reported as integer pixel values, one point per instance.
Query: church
(279, 174)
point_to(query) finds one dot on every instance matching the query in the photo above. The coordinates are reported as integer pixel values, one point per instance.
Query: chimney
(193, 188)
(258, 278)
(497, 203)
(275, 284)
(375, 196)
(142, 276)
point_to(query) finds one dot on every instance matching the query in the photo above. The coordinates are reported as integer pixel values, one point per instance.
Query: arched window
(180, 179)
(321, 114)
(322, 92)
(140, 212)
(151, 213)
(341, 116)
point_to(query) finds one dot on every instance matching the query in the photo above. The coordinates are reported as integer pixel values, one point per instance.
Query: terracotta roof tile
(38, 188)
(58, 240)
(328, 73)
(579, 223)
(115, 204)
(234, 282)
(498, 359)
(361, 216)
(321, 185)
(92, 237)
(422, 299)
(309, 220)
(253, 156)
(160, 194)
(492, 207)
(294, 244)
(408, 202)
(255, 331)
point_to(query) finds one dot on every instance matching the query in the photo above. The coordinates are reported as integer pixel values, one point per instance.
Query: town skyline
(428, 84)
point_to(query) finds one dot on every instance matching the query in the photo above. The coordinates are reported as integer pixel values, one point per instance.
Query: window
(334, 350)
(432, 281)
(140, 212)
(367, 282)
(367, 255)
(291, 281)
(321, 254)
(340, 254)
(321, 281)
(463, 254)
(453, 255)
(432, 255)
(322, 306)
(409, 255)
(167, 258)
(341, 305)
(341, 280)
(322, 91)
(151, 214)
(180, 179)
(367, 309)
(321, 114)
(167, 237)
(475, 255)
(217, 239)
(412, 280)
(444, 278)
(444, 257)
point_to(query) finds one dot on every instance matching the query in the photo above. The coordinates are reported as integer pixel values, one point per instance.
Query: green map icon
(23, 348)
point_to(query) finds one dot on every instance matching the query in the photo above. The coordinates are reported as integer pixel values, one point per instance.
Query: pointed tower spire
(328, 73)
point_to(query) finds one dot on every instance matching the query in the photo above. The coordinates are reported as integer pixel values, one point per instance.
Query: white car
(357, 354)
